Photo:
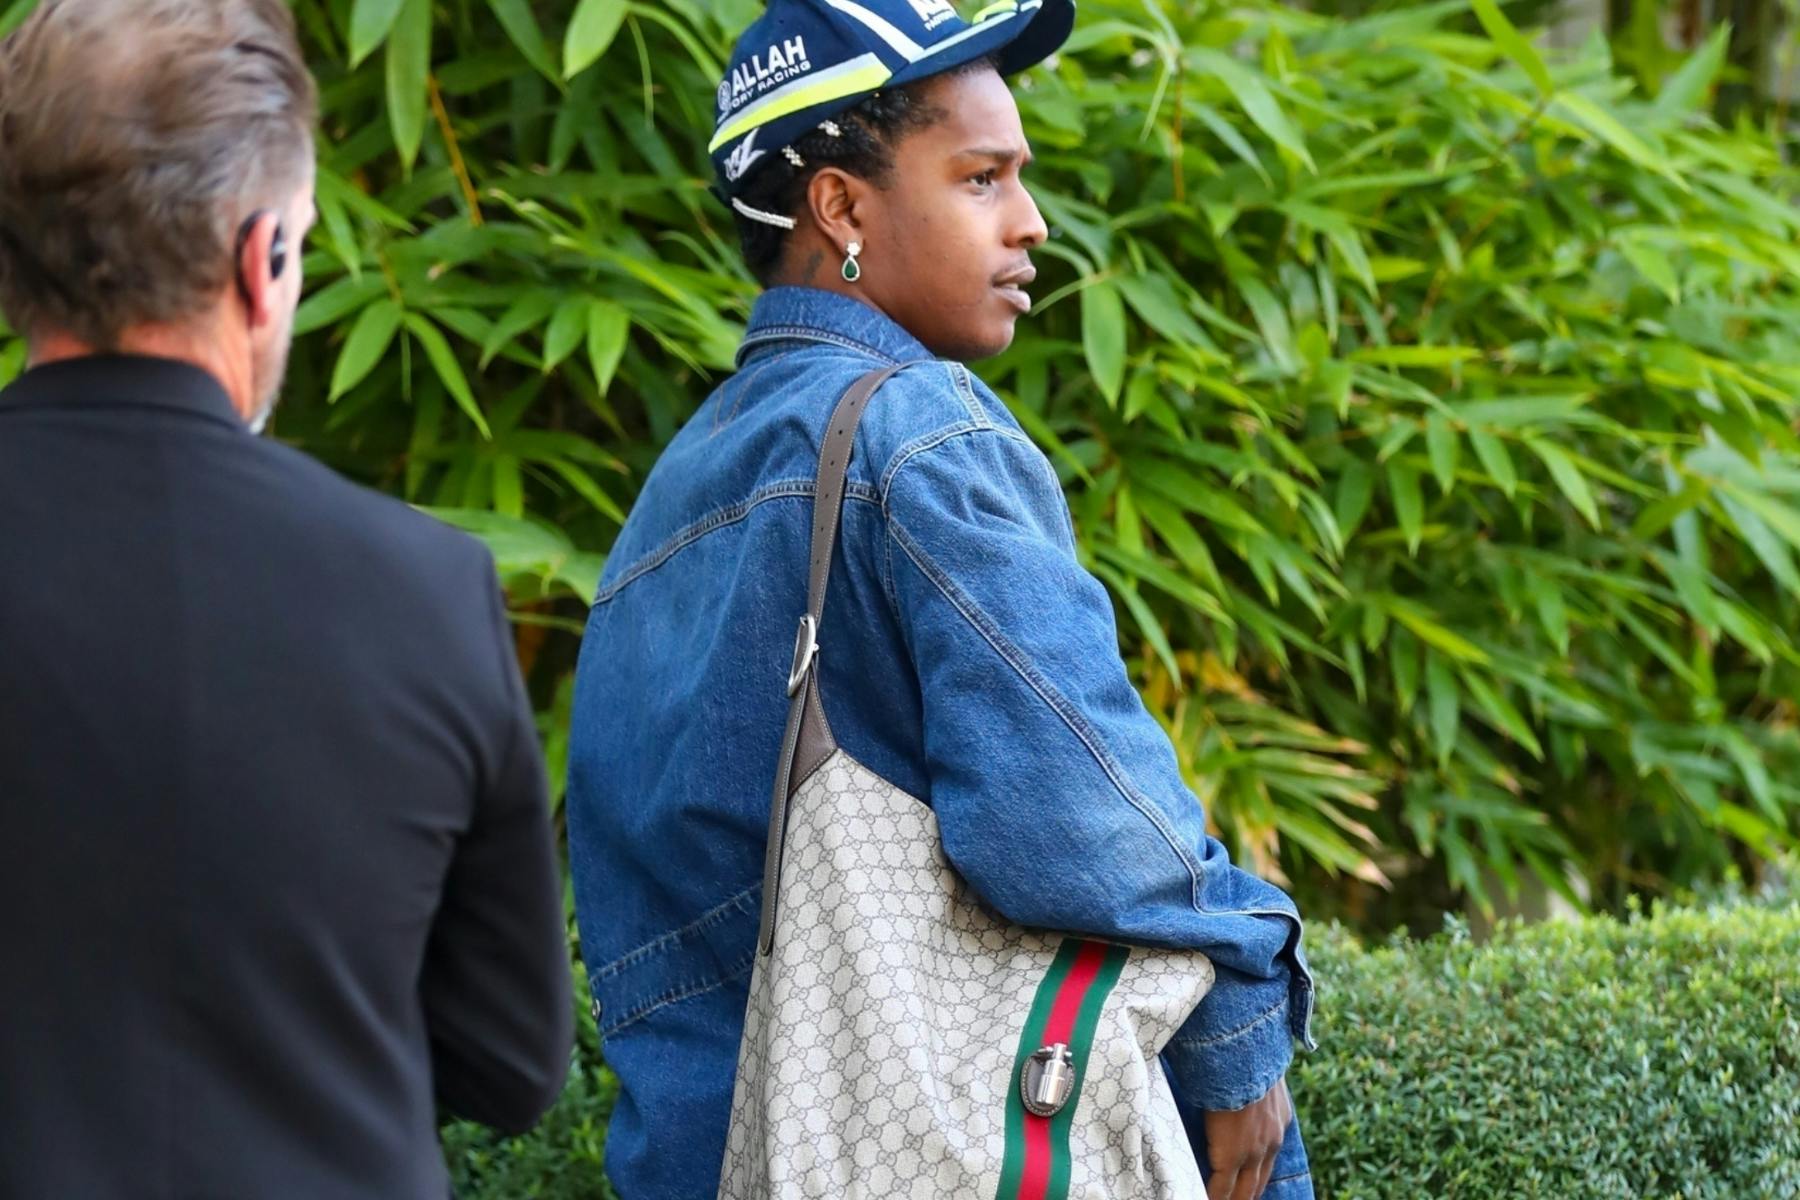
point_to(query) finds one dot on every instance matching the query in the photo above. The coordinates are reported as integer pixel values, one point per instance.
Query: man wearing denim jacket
(967, 656)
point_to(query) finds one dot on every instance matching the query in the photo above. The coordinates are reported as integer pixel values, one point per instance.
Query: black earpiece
(278, 253)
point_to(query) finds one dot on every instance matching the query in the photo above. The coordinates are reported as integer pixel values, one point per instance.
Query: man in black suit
(276, 871)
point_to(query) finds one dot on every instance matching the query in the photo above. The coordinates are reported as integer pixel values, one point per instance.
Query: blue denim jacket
(966, 656)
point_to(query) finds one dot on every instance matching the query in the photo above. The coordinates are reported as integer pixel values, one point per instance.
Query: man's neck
(159, 341)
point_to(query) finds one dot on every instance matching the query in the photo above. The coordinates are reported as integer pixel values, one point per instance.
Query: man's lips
(1012, 287)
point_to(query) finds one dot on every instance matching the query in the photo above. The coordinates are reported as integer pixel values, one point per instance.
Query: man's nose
(1028, 230)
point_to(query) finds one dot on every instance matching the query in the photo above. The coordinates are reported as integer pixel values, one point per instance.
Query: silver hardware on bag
(1047, 1080)
(806, 651)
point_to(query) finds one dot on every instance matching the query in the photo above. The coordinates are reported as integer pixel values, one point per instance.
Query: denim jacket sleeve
(1057, 794)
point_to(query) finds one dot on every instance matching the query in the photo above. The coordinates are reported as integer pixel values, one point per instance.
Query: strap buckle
(806, 652)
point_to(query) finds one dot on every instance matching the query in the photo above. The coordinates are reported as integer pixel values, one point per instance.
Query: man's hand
(1242, 1145)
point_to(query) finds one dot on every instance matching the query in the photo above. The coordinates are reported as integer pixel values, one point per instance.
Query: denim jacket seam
(684, 991)
(931, 441)
(1290, 1178)
(959, 378)
(1234, 1035)
(1047, 692)
(706, 920)
(718, 518)
(785, 333)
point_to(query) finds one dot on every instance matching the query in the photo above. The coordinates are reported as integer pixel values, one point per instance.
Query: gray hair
(135, 137)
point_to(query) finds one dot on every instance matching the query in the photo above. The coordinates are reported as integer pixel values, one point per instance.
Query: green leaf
(1495, 459)
(1443, 446)
(1501, 713)
(368, 340)
(1445, 705)
(1103, 338)
(1431, 632)
(608, 325)
(1409, 502)
(408, 72)
(1568, 477)
(565, 331)
(1610, 130)
(1248, 88)
(1513, 44)
(1654, 266)
(591, 32)
(521, 26)
(443, 361)
(370, 22)
(1687, 89)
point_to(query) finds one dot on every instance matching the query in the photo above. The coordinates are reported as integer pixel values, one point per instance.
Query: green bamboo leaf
(565, 331)
(443, 361)
(521, 26)
(1501, 713)
(1434, 634)
(608, 325)
(591, 32)
(1552, 612)
(1687, 89)
(1103, 338)
(1445, 706)
(370, 22)
(368, 340)
(1568, 477)
(1248, 88)
(408, 72)
(1356, 484)
(1409, 502)
(1495, 459)
(1444, 448)
(528, 312)
(1142, 616)
(1654, 266)
(1513, 44)
(1415, 356)
(1153, 297)
(1610, 130)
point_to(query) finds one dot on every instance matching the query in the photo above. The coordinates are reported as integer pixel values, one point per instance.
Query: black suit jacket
(276, 870)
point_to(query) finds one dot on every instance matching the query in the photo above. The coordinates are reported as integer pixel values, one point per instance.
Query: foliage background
(1426, 403)
(1426, 400)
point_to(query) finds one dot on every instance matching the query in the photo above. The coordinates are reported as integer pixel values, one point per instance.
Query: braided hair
(860, 141)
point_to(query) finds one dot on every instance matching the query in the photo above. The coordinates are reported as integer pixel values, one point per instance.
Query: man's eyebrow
(1004, 157)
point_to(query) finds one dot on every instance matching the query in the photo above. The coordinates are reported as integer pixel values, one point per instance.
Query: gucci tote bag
(902, 1040)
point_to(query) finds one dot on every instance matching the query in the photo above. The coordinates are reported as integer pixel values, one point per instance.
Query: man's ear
(262, 255)
(838, 200)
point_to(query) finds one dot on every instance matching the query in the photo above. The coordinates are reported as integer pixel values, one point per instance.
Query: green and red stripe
(1067, 1010)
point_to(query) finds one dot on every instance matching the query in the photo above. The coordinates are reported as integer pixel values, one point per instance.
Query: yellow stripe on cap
(864, 74)
(990, 10)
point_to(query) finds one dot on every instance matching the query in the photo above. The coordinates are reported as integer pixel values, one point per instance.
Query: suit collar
(122, 380)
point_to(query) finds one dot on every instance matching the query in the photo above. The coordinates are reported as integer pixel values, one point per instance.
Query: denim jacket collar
(802, 314)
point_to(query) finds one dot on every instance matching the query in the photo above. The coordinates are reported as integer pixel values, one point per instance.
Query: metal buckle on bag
(1047, 1080)
(806, 651)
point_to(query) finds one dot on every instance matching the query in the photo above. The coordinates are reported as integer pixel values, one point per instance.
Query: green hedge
(1652, 1058)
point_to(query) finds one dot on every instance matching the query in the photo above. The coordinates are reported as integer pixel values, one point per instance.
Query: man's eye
(985, 179)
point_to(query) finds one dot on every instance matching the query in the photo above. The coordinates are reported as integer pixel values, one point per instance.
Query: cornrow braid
(860, 141)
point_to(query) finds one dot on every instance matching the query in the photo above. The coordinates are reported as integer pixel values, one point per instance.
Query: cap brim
(1019, 41)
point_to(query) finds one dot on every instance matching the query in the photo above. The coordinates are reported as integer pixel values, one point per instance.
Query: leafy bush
(1426, 403)
(1646, 1059)
(1658, 1057)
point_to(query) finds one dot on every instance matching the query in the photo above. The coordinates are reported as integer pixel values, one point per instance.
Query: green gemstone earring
(852, 268)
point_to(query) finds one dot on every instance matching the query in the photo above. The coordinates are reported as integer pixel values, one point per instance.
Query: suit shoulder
(387, 529)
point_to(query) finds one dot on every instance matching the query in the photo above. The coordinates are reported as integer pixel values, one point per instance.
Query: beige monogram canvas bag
(902, 1040)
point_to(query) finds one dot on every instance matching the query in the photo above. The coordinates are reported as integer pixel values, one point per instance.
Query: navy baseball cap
(805, 61)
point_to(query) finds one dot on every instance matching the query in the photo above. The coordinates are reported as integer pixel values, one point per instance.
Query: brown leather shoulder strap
(808, 741)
